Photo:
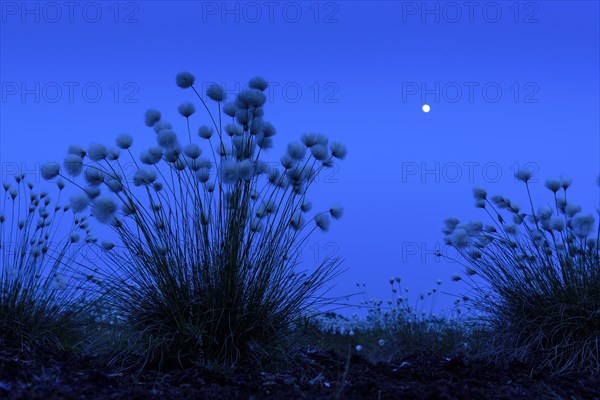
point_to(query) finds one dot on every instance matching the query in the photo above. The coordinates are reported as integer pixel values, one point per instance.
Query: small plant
(38, 306)
(206, 265)
(540, 273)
(395, 330)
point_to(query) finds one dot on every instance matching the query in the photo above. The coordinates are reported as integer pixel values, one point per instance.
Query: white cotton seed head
(112, 154)
(50, 170)
(144, 176)
(319, 152)
(242, 117)
(336, 212)
(306, 206)
(556, 223)
(572, 209)
(192, 151)
(460, 238)
(297, 221)
(97, 152)
(92, 192)
(162, 125)
(186, 109)
(76, 150)
(79, 202)
(296, 151)
(93, 176)
(258, 83)
(311, 139)
(205, 132)
(151, 117)
(152, 156)
(264, 142)
(479, 193)
(583, 224)
(184, 80)
(124, 141)
(114, 185)
(287, 162)
(167, 138)
(234, 130)
(523, 175)
(449, 225)
(230, 109)
(228, 171)
(216, 92)
(247, 98)
(553, 185)
(268, 130)
(322, 221)
(338, 150)
(104, 208)
(565, 182)
(246, 170)
(172, 154)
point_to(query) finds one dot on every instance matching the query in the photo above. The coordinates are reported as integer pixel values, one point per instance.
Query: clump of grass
(539, 278)
(205, 265)
(38, 307)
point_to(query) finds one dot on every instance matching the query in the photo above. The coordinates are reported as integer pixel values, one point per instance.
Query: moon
(426, 108)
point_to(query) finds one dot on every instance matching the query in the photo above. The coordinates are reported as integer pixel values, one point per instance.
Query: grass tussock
(535, 276)
(205, 266)
(38, 307)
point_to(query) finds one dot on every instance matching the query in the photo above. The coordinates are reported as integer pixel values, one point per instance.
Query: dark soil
(63, 375)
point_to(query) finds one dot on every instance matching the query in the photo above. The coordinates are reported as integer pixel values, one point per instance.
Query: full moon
(426, 108)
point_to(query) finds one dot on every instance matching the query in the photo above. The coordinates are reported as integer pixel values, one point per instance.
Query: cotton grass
(211, 245)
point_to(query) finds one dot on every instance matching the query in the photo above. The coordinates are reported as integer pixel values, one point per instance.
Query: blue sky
(510, 84)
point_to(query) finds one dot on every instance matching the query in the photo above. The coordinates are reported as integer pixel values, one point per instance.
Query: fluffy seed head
(296, 151)
(97, 152)
(216, 92)
(186, 109)
(205, 132)
(479, 193)
(338, 150)
(322, 221)
(553, 185)
(167, 138)
(192, 151)
(79, 202)
(319, 152)
(523, 175)
(50, 170)
(258, 83)
(184, 80)
(144, 176)
(93, 176)
(104, 208)
(230, 109)
(336, 212)
(76, 150)
(151, 117)
(247, 98)
(311, 139)
(583, 224)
